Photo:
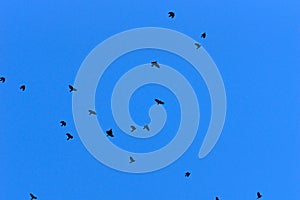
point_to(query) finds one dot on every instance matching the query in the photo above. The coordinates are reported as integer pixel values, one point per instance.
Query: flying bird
(63, 123)
(197, 45)
(171, 14)
(203, 35)
(155, 64)
(32, 196)
(131, 159)
(187, 174)
(91, 112)
(159, 101)
(2, 79)
(132, 128)
(72, 88)
(69, 136)
(217, 198)
(109, 133)
(146, 127)
(258, 195)
(22, 87)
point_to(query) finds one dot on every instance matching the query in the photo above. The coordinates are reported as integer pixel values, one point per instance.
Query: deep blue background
(256, 46)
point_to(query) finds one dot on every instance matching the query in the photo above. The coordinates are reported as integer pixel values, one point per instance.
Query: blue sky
(256, 46)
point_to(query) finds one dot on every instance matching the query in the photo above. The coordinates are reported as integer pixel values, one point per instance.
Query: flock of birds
(109, 132)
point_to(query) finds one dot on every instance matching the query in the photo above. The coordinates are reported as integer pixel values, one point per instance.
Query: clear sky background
(256, 46)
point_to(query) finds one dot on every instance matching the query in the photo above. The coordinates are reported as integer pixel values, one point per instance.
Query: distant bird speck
(258, 195)
(109, 133)
(63, 123)
(72, 88)
(197, 45)
(32, 196)
(155, 64)
(217, 198)
(171, 14)
(131, 159)
(133, 128)
(203, 35)
(2, 79)
(91, 112)
(146, 127)
(159, 101)
(69, 136)
(22, 87)
(187, 174)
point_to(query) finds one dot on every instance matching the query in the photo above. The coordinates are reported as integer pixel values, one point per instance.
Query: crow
(146, 127)
(258, 195)
(203, 35)
(159, 101)
(63, 123)
(187, 174)
(155, 64)
(131, 159)
(22, 87)
(72, 88)
(197, 45)
(2, 79)
(32, 196)
(132, 128)
(171, 14)
(109, 133)
(69, 136)
(91, 112)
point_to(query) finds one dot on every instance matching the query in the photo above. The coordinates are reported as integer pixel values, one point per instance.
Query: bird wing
(160, 102)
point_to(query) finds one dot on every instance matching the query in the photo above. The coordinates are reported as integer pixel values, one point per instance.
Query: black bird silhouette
(69, 136)
(146, 127)
(72, 88)
(63, 123)
(217, 198)
(32, 196)
(109, 133)
(2, 79)
(258, 195)
(154, 63)
(203, 35)
(131, 159)
(187, 174)
(22, 87)
(133, 128)
(91, 112)
(171, 14)
(159, 101)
